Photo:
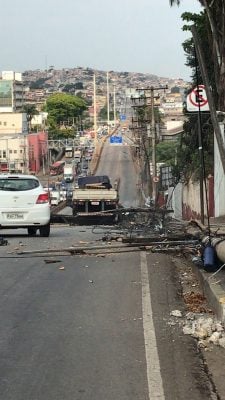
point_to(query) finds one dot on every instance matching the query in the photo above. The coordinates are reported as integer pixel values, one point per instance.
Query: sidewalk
(213, 284)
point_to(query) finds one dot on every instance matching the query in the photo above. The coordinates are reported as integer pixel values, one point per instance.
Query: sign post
(197, 102)
(197, 99)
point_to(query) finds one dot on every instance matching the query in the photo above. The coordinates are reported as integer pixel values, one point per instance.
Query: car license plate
(14, 216)
(95, 203)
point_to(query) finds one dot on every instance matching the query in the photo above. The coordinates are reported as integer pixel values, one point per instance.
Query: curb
(213, 291)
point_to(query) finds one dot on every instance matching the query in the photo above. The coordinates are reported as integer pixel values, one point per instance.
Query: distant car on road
(24, 204)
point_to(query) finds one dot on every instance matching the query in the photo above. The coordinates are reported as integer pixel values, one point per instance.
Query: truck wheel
(31, 231)
(45, 230)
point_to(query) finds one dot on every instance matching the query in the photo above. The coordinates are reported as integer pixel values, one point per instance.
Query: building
(38, 152)
(24, 153)
(11, 92)
(13, 123)
(14, 153)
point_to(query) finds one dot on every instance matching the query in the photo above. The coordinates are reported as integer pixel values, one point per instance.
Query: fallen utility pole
(82, 249)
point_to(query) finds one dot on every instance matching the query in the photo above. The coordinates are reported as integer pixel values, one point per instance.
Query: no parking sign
(197, 99)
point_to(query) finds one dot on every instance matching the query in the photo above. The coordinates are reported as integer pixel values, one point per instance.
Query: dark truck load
(98, 180)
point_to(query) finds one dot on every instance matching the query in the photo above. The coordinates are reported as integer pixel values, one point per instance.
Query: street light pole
(95, 116)
(114, 104)
(154, 172)
(107, 81)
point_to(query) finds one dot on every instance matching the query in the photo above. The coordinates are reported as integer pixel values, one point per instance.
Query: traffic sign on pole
(197, 99)
(115, 140)
(123, 117)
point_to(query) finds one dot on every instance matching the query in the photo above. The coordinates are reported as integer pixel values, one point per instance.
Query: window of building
(15, 152)
(21, 164)
(0, 122)
(3, 154)
(21, 151)
(4, 123)
(10, 151)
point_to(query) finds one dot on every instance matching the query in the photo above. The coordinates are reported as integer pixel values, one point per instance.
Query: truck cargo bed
(95, 194)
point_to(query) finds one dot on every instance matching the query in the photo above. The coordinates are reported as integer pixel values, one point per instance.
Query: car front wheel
(45, 230)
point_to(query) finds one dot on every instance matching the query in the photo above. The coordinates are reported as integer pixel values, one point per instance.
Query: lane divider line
(155, 384)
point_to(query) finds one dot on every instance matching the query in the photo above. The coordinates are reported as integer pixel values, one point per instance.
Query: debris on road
(3, 242)
(206, 329)
(51, 261)
(176, 313)
(195, 302)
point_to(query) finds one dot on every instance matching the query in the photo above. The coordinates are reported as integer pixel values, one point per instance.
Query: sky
(121, 35)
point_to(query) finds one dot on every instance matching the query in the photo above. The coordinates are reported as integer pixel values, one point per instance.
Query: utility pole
(154, 167)
(152, 89)
(114, 104)
(144, 142)
(107, 84)
(212, 108)
(95, 116)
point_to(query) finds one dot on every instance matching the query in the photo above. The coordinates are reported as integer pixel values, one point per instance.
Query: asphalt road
(93, 327)
(116, 162)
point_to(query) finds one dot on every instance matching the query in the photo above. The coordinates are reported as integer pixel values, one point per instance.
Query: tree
(63, 110)
(103, 114)
(31, 111)
(215, 14)
(187, 160)
(62, 107)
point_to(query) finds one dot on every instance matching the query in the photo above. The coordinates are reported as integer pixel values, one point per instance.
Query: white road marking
(155, 385)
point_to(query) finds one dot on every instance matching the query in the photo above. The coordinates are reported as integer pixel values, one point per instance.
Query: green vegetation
(64, 113)
(39, 84)
(103, 114)
(188, 161)
(31, 111)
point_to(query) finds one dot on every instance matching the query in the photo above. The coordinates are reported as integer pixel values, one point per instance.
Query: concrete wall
(174, 201)
(219, 179)
(191, 199)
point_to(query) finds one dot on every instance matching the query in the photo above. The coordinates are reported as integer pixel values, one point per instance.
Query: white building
(13, 123)
(14, 153)
(11, 92)
(39, 120)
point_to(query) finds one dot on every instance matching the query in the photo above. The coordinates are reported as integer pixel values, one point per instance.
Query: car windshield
(15, 184)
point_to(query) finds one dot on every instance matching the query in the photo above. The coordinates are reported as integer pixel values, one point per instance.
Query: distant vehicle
(62, 195)
(24, 204)
(69, 172)
(57, 168)
(77, 155)
(69, 151)
(55, 197)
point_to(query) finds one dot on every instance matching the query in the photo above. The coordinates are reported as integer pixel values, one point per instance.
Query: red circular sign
(198, 96)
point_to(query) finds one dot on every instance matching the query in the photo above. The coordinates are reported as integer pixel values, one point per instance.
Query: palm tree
(31, 111)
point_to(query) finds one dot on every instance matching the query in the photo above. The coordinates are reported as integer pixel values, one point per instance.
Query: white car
(24, 204)
(55, 197)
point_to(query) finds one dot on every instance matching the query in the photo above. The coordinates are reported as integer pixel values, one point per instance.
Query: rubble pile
(206, 329)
